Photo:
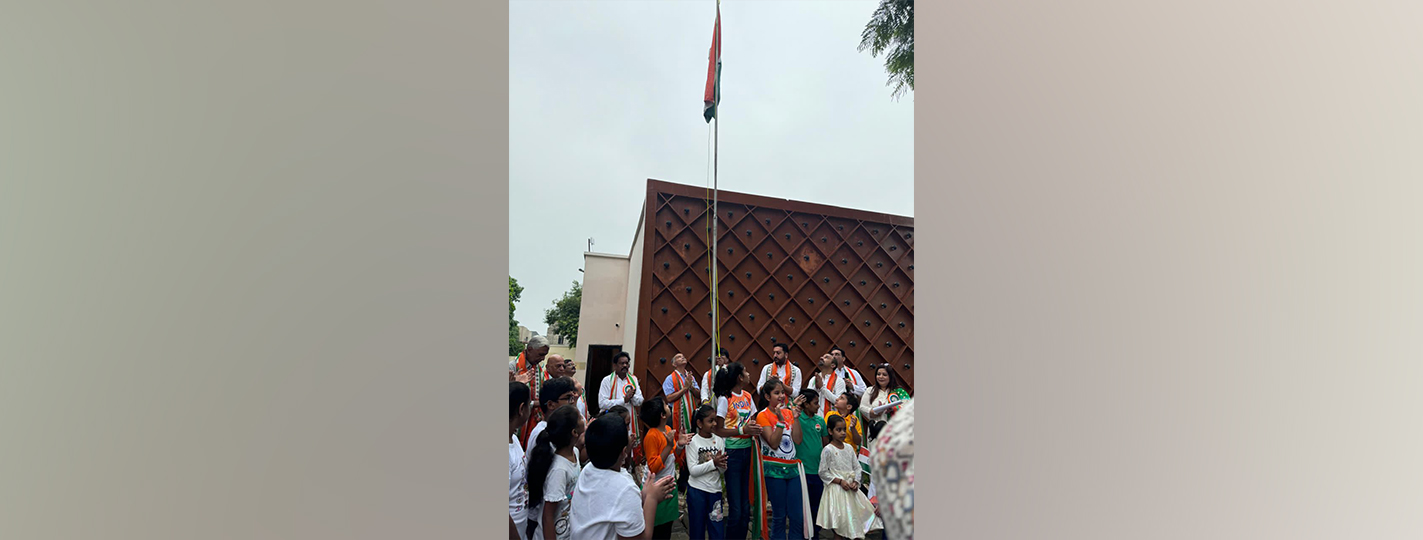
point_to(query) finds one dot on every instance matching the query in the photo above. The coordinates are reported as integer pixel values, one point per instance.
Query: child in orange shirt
(783, 478)
(657, 447)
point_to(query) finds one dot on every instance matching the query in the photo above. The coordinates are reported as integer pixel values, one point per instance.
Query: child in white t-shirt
(519, 410)
(553, 473)
(706, 461)
(606, 502)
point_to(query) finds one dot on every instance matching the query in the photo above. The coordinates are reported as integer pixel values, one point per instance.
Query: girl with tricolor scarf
(781, 489)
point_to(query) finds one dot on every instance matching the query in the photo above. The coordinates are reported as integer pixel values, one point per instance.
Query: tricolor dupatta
(681, 413)
(535, 385)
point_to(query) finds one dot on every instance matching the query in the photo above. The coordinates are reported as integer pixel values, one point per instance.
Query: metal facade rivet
(886, 344)
(867, 323)
(689, 289)
(911, 267)
(804, 224)
(753, 317)
(822, 239)
(883, 305)
(773, 340)
(768, 254)
(686, 246)
(847, 302)
(896, 284)
(788, 276)
(663, 360)
(664, 310)
(755, 360)
(731, 293)
(792, 319)
(901, 325)
(827, 280)
(832, 321)
(788, 237)
(686, 210)
(688, 335)
(807, 257)
(843, 261)
(852, 344)
(892, 248)
(909, 235)
(748, 274)
(728, 250)
(669, 223)
(862, 282)
(906, 366)
(876, 231)
(773, 297)
(860, 243)
(748, 232)
(879, 265)
(812, 342)
(839, 227)
(665, 266)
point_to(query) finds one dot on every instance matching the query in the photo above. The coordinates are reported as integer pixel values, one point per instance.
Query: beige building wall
(631, 291)
(600, 317)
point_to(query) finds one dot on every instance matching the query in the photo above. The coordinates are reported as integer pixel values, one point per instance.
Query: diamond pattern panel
(789, 272)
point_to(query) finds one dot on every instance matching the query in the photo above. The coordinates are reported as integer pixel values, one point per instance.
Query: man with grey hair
(526, 368)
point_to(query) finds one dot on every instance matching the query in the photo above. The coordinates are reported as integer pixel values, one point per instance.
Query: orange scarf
(535, 383)
(784, 378)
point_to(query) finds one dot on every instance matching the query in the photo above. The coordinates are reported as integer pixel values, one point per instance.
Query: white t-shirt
(703, 473)
(558, 490)
(517, 495)
(606, 504)
(536, 510)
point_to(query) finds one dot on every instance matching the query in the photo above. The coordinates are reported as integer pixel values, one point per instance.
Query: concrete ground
(679, 528)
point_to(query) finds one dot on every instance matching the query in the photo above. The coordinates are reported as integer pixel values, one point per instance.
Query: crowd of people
(775, 456)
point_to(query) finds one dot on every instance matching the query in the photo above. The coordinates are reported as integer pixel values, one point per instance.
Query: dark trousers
(786, 508)
(738, 470)
(662, 532)
(815, 488)
(699, 507)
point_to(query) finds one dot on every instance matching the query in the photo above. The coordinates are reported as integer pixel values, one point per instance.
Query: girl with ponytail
(553, 473)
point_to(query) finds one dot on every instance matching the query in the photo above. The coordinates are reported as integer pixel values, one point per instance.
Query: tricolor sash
(535, 384)
(633, 426)
(784, 378)
(681, 413)
(760, 509)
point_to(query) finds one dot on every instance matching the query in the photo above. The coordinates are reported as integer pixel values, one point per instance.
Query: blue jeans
(699, 507)
(738, 471)
(816, 488)
(784, 494)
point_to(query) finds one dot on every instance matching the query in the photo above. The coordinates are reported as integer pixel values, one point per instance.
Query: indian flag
(712, 98)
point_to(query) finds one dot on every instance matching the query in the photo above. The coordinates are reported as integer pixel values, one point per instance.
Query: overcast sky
(604, 95)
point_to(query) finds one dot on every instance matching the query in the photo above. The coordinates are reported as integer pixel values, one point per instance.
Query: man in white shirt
(620, 387)
(709, 378)
(781, 368)
(835, 378)
(607, 504)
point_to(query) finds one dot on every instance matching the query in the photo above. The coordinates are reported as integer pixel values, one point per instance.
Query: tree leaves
(564, 315)
(891, 29)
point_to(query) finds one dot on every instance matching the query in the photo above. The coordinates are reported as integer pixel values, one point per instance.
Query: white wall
(605, 280)
(633, 290)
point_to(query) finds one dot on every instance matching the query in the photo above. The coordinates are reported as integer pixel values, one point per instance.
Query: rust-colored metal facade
(807, 274)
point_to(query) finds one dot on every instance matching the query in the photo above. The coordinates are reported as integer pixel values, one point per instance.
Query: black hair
(558, 433)
(834, 348)
(605, 440)
(518, 396)
(652, 413)
(783, 347)
(722, 352)
(621, 355)
(893, 379)
(619, 410)
(702, 413)
(811, 396)
(833, 421)
(727, 379)
(872, 432)
(853, 400)
(554, 389)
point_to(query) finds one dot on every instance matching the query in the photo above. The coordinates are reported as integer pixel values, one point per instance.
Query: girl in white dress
(843, 508)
